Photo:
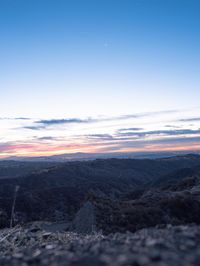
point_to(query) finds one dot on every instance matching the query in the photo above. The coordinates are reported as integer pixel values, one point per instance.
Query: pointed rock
(85, 219)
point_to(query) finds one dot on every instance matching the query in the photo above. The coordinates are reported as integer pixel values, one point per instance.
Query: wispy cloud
(99, 136)
(51, 122)
(15, 118)
(98, 143)
(46, 138)
(172, 126)
(192, 119)
(45, 123)
(160, 132)
(129, 129)
(33, 127)
(115, 133)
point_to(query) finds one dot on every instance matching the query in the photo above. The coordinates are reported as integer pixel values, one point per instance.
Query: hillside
(57, 192)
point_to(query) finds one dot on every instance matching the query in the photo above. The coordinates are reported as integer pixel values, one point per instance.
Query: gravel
(32, 245)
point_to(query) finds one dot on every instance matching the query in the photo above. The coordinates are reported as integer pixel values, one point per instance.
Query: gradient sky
(99, 76)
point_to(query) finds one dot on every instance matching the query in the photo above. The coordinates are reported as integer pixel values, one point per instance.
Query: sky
(99, 76)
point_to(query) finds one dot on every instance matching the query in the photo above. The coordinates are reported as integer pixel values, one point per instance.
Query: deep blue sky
(88, 58)
(74, 51)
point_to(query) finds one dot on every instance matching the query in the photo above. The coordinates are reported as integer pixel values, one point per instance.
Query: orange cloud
(42, 149)
(48, 149)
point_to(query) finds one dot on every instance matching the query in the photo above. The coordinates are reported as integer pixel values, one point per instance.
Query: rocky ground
(34, 245)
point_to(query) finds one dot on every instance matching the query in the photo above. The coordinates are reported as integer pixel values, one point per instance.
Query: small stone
(34, 229)
(46, 235)
(36, 253)
(18, 255)
(49, 247)
(151, 242)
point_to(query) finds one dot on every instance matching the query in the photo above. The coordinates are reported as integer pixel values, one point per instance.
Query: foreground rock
(85, 220)
(171, 246)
